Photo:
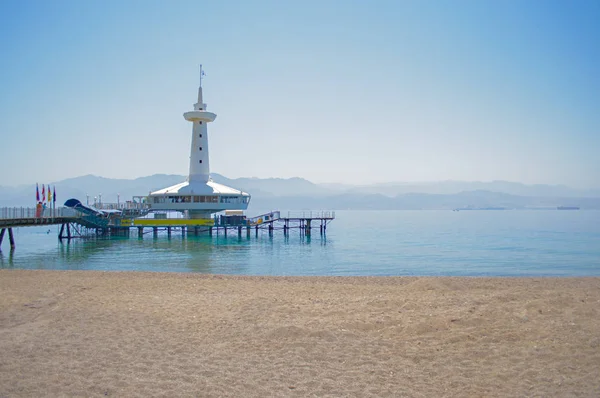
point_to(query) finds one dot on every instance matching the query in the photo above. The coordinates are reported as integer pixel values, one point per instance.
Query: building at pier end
(199, 196)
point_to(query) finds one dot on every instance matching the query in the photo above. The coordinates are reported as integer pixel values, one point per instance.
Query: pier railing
(267, 217)
(120, 206)
(32, 212)
(311, 214)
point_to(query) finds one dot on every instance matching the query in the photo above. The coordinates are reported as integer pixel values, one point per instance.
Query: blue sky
(332, 91)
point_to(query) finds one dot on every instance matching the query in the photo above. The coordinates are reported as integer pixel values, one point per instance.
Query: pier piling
(11, 238)
(84, 226)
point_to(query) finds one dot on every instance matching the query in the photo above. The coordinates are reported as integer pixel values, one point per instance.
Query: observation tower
(199, 196)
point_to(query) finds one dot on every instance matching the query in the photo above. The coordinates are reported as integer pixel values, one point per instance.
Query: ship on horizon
(567, 208)
(480, 208)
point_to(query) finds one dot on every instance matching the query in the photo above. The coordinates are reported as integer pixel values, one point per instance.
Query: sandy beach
(86, 333)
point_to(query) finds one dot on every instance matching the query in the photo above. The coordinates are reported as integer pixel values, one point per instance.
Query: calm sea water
(472, 243)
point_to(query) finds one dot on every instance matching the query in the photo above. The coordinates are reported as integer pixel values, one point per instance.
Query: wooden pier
(74, 224)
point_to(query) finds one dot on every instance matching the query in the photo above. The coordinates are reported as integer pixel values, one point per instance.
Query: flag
(49, 194)
(37, 193)
(43, 193)
(54, 195)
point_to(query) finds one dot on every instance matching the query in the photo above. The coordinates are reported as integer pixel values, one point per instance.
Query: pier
(13, 217)
(81, 224)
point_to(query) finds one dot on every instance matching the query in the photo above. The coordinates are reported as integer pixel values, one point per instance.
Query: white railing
(267, 217)
(32, 212)
(119, 206)
(311, 214)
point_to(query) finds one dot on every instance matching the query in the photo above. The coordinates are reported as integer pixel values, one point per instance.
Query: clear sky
(332, 91)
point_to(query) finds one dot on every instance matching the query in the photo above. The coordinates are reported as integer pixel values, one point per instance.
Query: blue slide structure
(91, 217)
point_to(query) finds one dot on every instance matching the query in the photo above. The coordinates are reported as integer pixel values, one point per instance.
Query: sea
(357, 243)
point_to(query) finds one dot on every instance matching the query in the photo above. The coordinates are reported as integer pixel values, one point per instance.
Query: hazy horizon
(23, 184)
(344, 92)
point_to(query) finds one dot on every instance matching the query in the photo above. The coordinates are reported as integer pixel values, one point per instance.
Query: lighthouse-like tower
(199, 162)
(199, 196)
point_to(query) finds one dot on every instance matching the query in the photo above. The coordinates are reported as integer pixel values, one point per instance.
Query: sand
(85, 333)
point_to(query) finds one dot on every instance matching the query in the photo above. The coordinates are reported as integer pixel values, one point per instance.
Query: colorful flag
(43, 193)
(49, 194)
(54, 195)
(37, 193)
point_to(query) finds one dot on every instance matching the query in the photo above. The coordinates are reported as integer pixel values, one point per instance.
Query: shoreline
(129, 333)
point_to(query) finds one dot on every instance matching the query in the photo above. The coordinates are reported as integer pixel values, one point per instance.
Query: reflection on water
(508, 243)
(234, 254)
(6, 261)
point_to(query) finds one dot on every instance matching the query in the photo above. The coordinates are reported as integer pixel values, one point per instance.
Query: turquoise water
(471, 243)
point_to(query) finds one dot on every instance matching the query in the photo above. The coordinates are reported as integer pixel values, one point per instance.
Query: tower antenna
(201, 74)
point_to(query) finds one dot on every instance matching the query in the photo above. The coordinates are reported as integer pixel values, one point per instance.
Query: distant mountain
(111, 190)
(274, 186)
(90, 186)
(298, 193)
(453, 187)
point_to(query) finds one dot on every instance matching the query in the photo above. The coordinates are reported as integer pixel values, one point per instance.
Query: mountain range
(298, 193)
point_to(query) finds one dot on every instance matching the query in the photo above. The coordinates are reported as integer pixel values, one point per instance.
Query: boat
(480, 208)
(567, 208)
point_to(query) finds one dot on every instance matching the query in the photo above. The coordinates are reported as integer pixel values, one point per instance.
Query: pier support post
(155, 231)
(2, 237)
(210, 231)
(239, 231)
(256, 231)
(308, 227)
(169, 232)
(248, 232)
(68, 231)
(140, 232)
(225, 231)
(11, 238)
(270, 229)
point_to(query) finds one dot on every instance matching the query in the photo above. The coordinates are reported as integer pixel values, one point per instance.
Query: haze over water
(378, 243)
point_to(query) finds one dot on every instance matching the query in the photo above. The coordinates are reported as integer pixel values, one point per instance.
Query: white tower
(199, 160)
(199, 196)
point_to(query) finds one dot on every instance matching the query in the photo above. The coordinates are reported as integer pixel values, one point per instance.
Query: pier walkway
(76, 222)
(12, 217)
(31, 217)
